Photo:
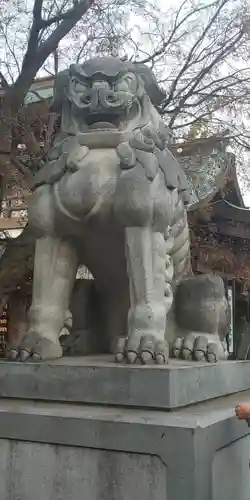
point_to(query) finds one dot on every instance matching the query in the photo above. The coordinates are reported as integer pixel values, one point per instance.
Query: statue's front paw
(34, 347)
(145, 349)
(194, 347)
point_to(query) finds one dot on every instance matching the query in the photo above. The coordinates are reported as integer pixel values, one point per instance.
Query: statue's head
(107, 94)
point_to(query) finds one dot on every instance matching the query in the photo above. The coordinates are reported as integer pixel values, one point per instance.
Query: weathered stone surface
(97, 380)
(67, 452)
(110, 197)
(35, 470)
(232, 462)
(198, 300)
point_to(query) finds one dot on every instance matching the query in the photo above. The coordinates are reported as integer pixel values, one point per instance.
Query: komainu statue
(112, 197)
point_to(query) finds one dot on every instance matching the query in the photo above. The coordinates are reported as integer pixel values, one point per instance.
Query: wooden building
(16, 247)
(220, 228)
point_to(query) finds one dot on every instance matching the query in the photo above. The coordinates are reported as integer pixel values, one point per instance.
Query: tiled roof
(38, 95)
(41, 88)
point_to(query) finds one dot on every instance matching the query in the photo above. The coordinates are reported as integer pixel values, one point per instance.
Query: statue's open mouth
(102, 121)
(117, 120)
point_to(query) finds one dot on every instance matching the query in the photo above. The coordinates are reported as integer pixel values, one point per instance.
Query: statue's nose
(106, 97)
(100, 84)
(93, 96)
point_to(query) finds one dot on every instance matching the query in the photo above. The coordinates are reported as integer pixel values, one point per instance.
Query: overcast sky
(247, 199)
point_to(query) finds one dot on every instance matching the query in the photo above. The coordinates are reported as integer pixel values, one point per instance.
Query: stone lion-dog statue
(112, 197)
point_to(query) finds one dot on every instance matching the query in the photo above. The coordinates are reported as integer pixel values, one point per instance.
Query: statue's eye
(78, 87)
(122, 86)
(127, 84)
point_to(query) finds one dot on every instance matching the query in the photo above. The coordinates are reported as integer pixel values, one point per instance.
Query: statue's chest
(90, 183)
(97, 162)
(95, 170)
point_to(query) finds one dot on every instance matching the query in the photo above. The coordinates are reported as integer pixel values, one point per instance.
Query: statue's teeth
(102, 125)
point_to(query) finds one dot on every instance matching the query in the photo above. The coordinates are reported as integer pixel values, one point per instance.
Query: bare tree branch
(37, 53)
(194, 47)
(176, 26)
(3, 81)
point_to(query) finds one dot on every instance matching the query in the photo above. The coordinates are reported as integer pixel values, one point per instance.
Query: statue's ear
(60, 87)
(152, 88)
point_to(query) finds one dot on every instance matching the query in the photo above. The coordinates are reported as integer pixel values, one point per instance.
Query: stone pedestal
(86, 429)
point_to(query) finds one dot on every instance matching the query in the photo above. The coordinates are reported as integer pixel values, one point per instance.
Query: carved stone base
(105, 432)
(97, 380)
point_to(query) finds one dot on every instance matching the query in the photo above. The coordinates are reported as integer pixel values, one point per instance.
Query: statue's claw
(36, 356)
(35, 348)
(120, 349)
(162, 353)
(24, 355)
(11, 354)
(206, 348)
(148, 350)
(132, 357)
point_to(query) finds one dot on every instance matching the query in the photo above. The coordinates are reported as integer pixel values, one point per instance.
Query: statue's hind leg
(54, 276)
(203, 316)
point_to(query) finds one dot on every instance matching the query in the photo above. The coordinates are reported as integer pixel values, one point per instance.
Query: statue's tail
(180, 251)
